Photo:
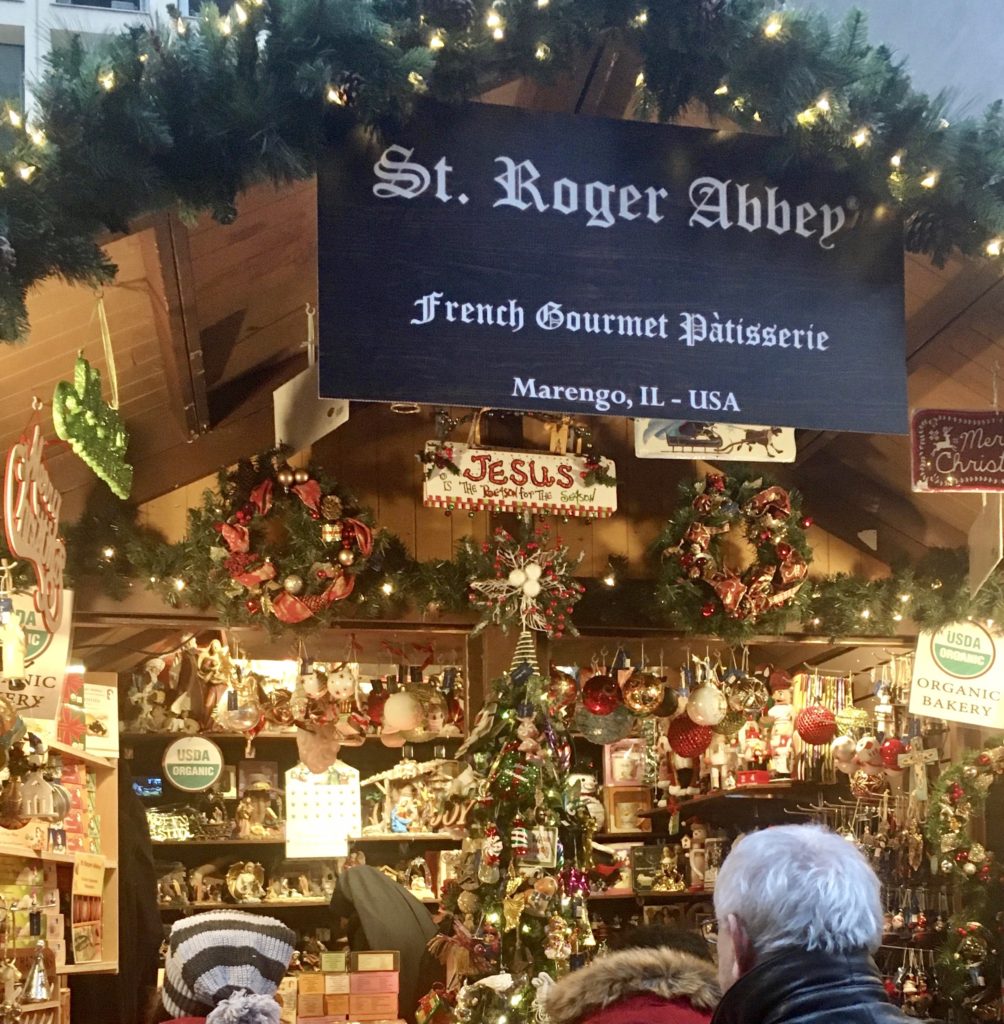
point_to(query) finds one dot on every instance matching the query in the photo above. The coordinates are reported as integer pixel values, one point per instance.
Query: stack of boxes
(83, 824)
(349, 987)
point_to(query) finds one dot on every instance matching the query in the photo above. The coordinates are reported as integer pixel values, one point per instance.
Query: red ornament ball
(890, 751)
(962, 857)
(805, 522)
(707, 610)
(816, 724)
(253, 605)
(601, 695)
(765, 535)
(687, 738)
(783, 551)
(983, 760)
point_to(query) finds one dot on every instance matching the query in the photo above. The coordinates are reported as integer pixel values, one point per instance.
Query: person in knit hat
(223, 967)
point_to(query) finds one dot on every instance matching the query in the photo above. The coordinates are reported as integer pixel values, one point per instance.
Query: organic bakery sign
(958, 676)
(193, 764)
(487, 256)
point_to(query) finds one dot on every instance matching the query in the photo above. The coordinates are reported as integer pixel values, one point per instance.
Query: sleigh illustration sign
(722, 442)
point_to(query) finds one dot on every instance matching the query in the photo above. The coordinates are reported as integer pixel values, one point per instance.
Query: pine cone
(7, 257)
(347, 85)
(453, 15)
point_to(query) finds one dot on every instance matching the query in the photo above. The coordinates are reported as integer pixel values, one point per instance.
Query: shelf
(266, 905)
(165, 737)
(95, 967)
(52, 1004)
(27, 853)
(219, 842)
(613, 838)
(406, 837)
(786, 792)
(651, 897)
(78, 754)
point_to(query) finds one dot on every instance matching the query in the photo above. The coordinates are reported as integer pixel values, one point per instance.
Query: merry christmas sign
(957, 450)
(486, 256)
(486, 478)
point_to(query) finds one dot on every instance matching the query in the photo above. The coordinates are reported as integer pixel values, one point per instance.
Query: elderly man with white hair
(799, 917)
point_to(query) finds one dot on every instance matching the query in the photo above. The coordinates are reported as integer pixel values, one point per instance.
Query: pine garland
(191, 113)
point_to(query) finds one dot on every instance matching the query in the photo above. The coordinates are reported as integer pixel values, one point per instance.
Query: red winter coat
(637, 986)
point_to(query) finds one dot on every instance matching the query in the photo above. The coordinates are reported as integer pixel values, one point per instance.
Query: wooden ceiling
(207, 320)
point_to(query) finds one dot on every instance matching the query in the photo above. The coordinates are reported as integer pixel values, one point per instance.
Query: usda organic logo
(965, 650)
(193, 763)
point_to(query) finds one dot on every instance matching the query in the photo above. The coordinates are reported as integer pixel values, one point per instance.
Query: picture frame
(666, 915)
(645, 863)
(619, 854)
(623, 804)
(624, 763)
(542, 848)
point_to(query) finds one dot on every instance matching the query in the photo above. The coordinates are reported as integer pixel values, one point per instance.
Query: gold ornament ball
(970, 771)
(292, 584)
(301, 476)
(331, 533)
(546, 885)
(346, 557)
(851, 720)
(643, 692)
(468, 903)
(865, 784)
(285, 476)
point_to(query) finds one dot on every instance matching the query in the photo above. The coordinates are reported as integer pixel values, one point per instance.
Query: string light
(25, 171)
(225, 27)
(929, 180)
(108, 552)
(179, 584)
(817, 621)
(499, 34)
(180, 27)
(772, 27)
(861, 137)
(823, 105)
(994, 247)
(543, 3)
(436, 41)
(896, 160)
(242, 15)
(639, 81)
(897, 617)
(153, 579)
(944, 123)
(904, 598)
(337, 96)
(610, 580)
(722, 90)
(866, 613)
(516, 999)
(107, 80)
(756, 116)
(15, 118)
(493, 19)
(543, 52)
(990, 623)
(36, 135)
(641, 18)
(387, 587)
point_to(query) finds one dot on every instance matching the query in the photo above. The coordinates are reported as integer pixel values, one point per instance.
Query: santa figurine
(782, 724)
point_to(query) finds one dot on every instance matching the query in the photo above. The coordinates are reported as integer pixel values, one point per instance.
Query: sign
(986, 541)
(38, 694)
(300, 417)
(101, 713)
(955, 450)
(485, 478)
(94, 429)
(31, 523)
(322, 811)
(193, 764)
(958, 676)
(88, 874)
(718, 442)
(488, 256)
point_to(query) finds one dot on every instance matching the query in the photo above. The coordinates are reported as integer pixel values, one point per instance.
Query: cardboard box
(374, 982)
(337, 1005)
(310, 984)
(373, 1007)
(337, 984)
(310, 1004)
(334, 961)
(376, 960)
(287, 998)
(319, 1020)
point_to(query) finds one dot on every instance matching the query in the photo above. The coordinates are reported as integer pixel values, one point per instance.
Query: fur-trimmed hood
(665, 973)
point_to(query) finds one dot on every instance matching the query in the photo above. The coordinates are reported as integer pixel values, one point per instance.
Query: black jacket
(796, 987)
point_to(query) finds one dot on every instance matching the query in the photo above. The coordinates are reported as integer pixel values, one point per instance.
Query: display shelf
(612, 838)
(407, 837)
(94, 967)
(650, 897)
(219, 842)
(28, 853)
(196, 908)
(52, 1004)
(79, 754)
(783, 793)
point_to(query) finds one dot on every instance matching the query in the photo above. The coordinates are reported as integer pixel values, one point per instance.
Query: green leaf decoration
(93, 429)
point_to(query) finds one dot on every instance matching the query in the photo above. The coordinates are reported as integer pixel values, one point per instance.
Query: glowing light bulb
(107, 80)
(641, 18)
(436, 41)
(897, 617)
(817, 621)
(499, 34)
(225, 27)
(179, 584)
(335, 95)
(493, 19)
(896, 160)
(36, 135)
(772, 27)
(543, 52)
(387, 587)
(823, 105)
(722, 90)
(180, 27)
(861, 137)
(639, 80)
(242, 15)
(25, 171)
(929, 180)
(543, 3)
(610, 580)
(866, 613)
(15, 118)
(994, 247)
(108, 552)
(904, 598)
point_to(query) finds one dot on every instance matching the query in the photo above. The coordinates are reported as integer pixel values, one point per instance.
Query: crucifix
(917, 760)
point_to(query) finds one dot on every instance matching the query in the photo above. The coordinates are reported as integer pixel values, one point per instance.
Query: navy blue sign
(486, 256)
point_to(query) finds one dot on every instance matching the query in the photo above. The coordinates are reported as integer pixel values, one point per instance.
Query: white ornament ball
(311, 685)
(707, 705)
(843, 749)
(401, 713)
(342, 684)
(868, 752)
(517, 578)
(533, 571)
(969, 869)
(292, 584)
(531, 588)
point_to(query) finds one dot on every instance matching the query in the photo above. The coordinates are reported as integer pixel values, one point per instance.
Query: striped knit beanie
(227, 964)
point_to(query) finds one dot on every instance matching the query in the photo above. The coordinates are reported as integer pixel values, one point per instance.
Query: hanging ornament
(748, 694)
(604, 729)
(519, 839)
(730, 724)
(816, 725)
(891, 750)
(342, 681)
(285, 477)
(669, 704)
(687, 738)
(346, 557)
(866, 784)
(707, 705)
(402, 712)
(292, 584)
(562, 691)
(851, 720)
(600, 695)
(643, 693)
(842, 749)
(491, 854)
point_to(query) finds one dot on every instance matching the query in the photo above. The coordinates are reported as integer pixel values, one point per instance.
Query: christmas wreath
(698, 586)
(289, 546)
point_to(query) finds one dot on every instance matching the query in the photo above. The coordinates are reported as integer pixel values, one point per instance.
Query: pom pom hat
(222, 963)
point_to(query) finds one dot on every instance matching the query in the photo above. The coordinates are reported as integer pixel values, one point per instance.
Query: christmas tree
(518, 906)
